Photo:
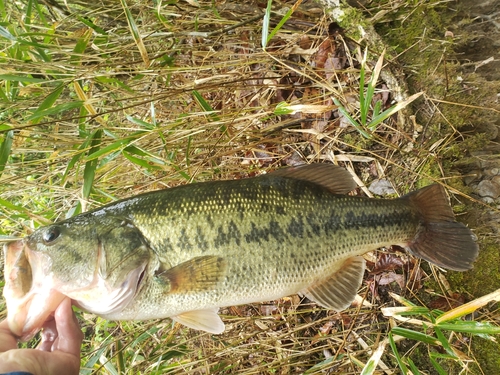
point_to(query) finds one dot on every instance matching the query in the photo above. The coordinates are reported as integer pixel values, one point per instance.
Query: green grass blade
(110, 368)
(139, 161)
(391, 111)
(282, 108)
(371, 365)
(351, 120)
(265, 23)
(362, 99)
(282, 21)
(91, 165)
(5, 149)
(90, 24)
(440, 370)
(395, 351)
(6, 34)
(80, 47)
(88, 368)
(377, 108)
(370, 91)
(3, 96)
(119, 356)
(413, 368)
(76, 157)
(205, 106)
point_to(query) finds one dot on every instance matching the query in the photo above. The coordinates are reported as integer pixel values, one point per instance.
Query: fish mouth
(29, 295)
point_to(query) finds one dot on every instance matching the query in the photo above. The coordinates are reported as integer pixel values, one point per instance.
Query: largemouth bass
(186, 251)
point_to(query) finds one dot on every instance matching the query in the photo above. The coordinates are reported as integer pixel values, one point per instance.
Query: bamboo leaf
(11, 206)
(137, 151)
(109, 148)
(81, 46)
(414, 335)
(55, 110)
(47, 104)
(140, 122)
(16, 78)
(444, 342)
(135, 33)
(139, 161)
(473, 327)
(5, 149)
(469, 307)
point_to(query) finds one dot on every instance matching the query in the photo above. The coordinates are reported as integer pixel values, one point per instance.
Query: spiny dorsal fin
(197, 274)
(441, 240)
(204, 320)
(332, 177)
(339, 290)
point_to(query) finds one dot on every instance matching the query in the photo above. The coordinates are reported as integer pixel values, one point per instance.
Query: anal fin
(338, 290)
(204, 320)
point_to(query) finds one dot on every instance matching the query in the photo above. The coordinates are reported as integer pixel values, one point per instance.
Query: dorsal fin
(339, 290)
(332, 177)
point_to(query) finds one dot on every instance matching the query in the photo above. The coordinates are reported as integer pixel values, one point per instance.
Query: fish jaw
(102, 299)
(30, 296)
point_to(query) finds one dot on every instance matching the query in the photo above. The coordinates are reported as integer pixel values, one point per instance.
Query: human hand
(58, 352)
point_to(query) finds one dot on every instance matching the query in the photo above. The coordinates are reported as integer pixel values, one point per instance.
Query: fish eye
(51, 234)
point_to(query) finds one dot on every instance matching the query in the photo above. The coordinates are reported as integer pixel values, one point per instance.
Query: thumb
(70, 336)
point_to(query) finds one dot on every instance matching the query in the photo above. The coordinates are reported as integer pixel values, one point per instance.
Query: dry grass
(104, 106)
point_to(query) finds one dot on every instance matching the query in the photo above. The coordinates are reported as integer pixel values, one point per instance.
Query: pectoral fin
(203, 320)
(339, 290)
(195, 275)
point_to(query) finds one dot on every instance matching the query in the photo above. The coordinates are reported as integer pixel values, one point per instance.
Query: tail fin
(442, 240)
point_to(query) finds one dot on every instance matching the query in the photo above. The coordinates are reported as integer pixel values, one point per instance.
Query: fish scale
(186, 251)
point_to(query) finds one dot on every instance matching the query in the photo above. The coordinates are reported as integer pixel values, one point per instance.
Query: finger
(49, 335)
(70, 336)
(8, 340)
